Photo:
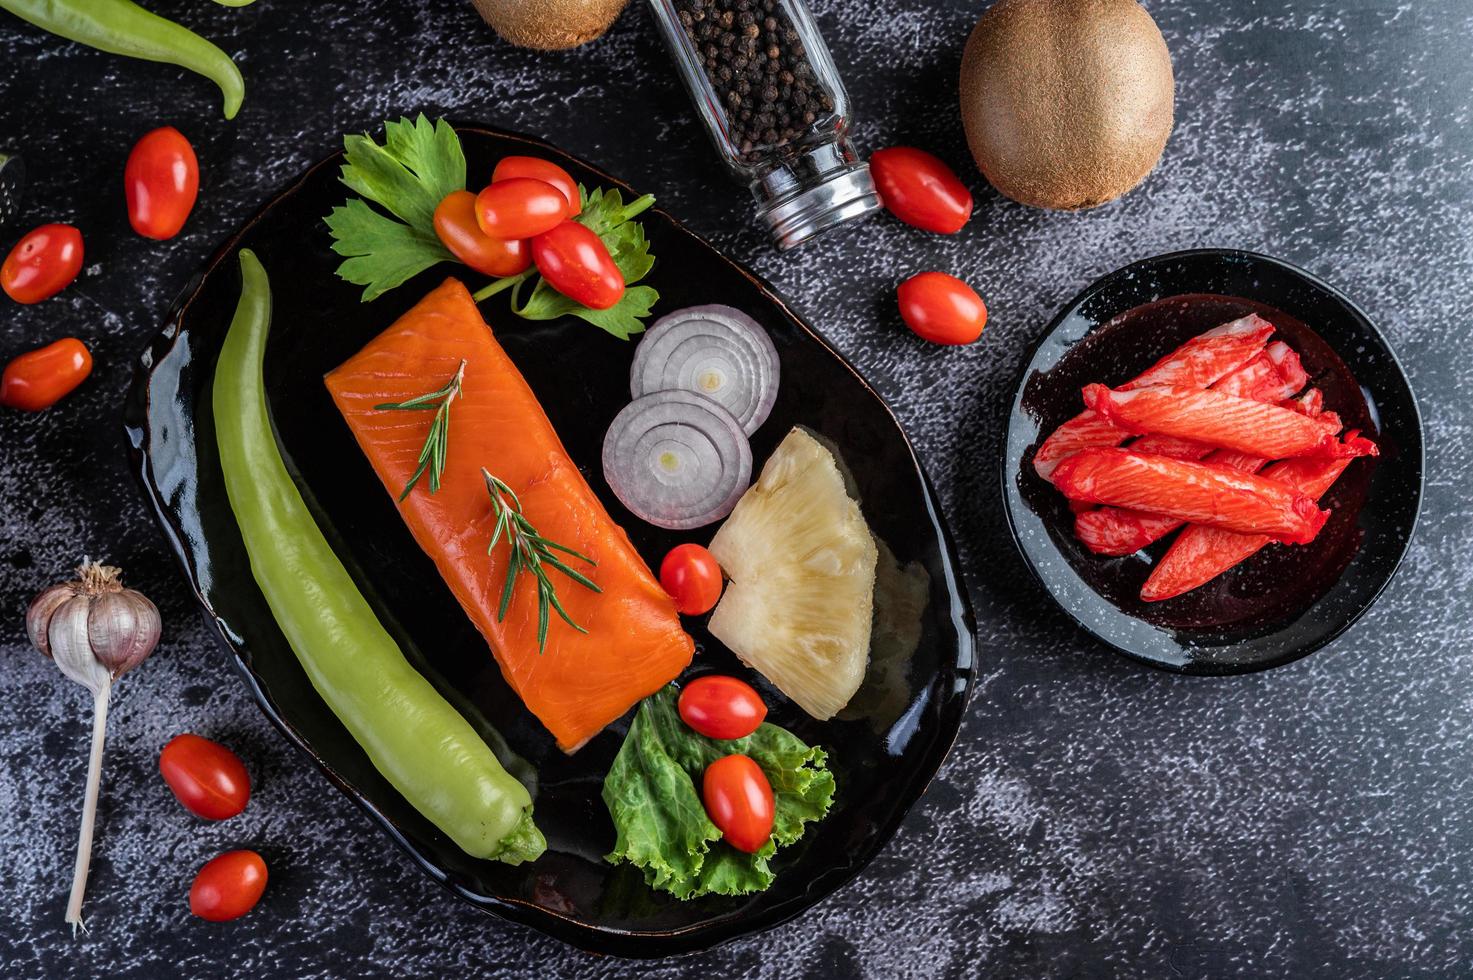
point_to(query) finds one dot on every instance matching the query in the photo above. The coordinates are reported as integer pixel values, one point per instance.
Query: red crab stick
(1271, 377)
(1196, 364)
(1222, 420)
(1201, 554)
(1197, 492)
(1115, 531)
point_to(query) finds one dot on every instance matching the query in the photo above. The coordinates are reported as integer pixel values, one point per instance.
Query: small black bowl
(1285, 602)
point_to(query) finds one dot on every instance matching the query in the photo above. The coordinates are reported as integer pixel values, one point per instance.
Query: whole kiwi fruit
(1066, 103)
(550, 25)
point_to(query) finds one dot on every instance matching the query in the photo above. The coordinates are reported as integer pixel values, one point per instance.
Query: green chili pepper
(123, 27)
(422, 745)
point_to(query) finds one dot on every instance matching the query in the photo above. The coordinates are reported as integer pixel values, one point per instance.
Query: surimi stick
(1199, 362)
(1200, 554)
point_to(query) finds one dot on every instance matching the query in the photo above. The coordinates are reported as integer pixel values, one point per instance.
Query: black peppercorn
(754, 57)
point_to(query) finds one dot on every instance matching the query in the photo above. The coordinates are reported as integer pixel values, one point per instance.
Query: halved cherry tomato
(520, 207)
(455, 224)
(543, 170)
(942, 308)
(209, 779)
(42, 264)
(40, 378)
(920, 189)
(721, 707)
(228, 887)
(692, 578)
(738, 800)
(576, 263)
(161, 181)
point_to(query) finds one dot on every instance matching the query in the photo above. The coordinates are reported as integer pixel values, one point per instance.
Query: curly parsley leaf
(606, 215)
(409, 174)
(661, 825)
(381, 253)
(417, 165)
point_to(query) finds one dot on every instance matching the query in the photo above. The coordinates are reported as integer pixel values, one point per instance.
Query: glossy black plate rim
(1005, 469)
(625, 943)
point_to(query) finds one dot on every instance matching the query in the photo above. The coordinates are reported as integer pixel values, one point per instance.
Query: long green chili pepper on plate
(421, 744)
(122, 27)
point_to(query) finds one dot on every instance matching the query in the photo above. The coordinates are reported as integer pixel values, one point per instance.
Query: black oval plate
(1283, 603)
(883, 751)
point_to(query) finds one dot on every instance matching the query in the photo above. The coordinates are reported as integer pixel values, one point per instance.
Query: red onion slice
(677, 460)
(715, 351)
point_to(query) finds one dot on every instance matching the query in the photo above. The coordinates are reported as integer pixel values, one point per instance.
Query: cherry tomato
(455, 224)
(228, 886)
(520, 207)
(575, 262)
(40, 378)
(739, 801)
(692, 578)
(42, 264)
(209, 779)
(543, 170)
(921, 190)
(721, 707)
(942, 308)
(161, 182)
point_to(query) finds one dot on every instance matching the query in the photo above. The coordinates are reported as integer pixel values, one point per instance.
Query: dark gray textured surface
(1095, 818)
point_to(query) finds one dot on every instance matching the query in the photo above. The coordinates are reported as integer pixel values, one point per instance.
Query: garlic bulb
(96, 631)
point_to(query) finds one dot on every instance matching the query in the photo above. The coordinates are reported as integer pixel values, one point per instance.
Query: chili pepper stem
(89, 808)
(499, 285)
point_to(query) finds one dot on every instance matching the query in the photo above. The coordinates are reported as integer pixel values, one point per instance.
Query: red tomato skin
(161, 182)
(228, 886)
(576, 263)
(942, 308)
(543, 170)
(42, 263)
(456, 227)
(738, 800)
(520, 207)
(721, 707)
(920, 189)
(692, 577)
(209, 779)
(38, 379)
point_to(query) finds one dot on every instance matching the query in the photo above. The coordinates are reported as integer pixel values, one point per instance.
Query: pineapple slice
(802, 566)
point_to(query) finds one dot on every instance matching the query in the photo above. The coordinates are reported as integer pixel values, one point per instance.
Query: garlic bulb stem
(89, 807)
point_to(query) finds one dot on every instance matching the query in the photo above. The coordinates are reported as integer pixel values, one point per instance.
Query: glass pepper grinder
(770, 97)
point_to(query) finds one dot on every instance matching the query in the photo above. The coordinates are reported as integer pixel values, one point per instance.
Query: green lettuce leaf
(417, 165)
(661, 825)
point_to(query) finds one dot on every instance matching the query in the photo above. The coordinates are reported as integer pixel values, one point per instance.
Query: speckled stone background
(1095, 819)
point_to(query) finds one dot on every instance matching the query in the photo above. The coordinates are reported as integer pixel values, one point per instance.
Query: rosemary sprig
(531, 552)
(437, 445)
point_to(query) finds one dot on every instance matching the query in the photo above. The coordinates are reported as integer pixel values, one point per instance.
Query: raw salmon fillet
(1197, 492)
(1198, 363)
(634, 645)
(1201, 554)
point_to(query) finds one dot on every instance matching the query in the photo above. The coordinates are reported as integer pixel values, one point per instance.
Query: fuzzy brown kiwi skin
(550, 25)
(1038, 134)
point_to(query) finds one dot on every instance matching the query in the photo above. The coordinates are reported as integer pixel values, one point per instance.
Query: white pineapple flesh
(801, 561)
